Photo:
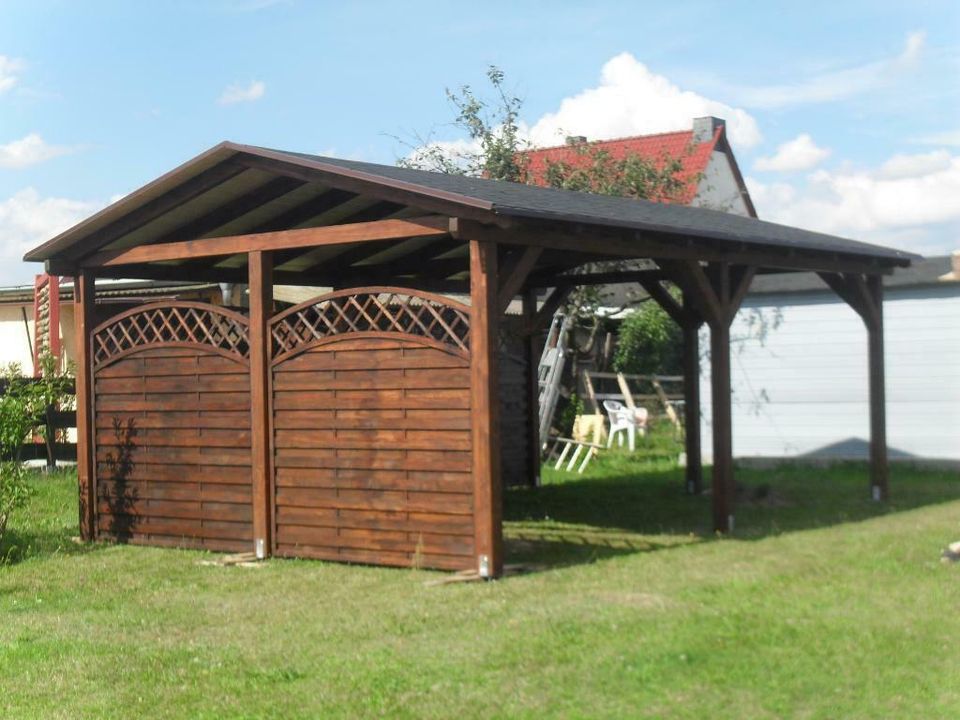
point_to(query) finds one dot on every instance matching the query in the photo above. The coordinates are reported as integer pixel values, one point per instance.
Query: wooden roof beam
(280, 240)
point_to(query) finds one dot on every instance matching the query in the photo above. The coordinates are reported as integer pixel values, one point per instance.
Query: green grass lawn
(824, 605)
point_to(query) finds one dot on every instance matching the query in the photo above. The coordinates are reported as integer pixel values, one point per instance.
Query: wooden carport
(374, 429)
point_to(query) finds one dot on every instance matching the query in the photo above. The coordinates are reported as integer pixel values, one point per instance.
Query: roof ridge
(620, 139)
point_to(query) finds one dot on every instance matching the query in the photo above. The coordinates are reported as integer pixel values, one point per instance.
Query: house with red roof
(709, 170)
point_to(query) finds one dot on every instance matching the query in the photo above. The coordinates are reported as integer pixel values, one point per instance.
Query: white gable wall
(803, 390)
(718, 189)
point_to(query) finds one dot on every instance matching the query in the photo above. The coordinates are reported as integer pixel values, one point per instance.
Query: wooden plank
(404, 356)
(359, 439)
(181, 456)
(443, 399)
(444, 378)
(377, 557)
(691, 406)
(270, 241)
(260, 265)
(879, 473)
(84, 299)
(180, 473)
(183, 419)
(392, 419)
(399, 500)
(515, 273)
(484, 336)
(407, 522)
(625, 391)
(372, 459)
(221, 382)
(174, 402)
(148, 490)
(366, 539)
(360, 479)
(178, 438)
(532, 347)
(185, 510)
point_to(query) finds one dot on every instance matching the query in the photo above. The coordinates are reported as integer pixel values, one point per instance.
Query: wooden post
(531, 361)
(83, 308)
(260, 267)
(485, 426)
(691, 405)
(878, 415)
(722, 481)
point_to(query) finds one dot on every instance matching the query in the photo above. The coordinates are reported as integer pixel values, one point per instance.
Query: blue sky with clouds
(845, 116)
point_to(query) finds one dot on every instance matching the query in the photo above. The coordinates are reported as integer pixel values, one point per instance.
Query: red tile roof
(658, 148)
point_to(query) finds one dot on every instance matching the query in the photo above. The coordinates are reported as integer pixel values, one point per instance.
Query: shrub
(650, 343)
(21, 406)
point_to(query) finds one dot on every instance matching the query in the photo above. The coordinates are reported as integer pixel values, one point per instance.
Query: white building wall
(802, 390)
(718, 189)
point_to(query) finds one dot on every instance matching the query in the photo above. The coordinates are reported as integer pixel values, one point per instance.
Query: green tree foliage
(650, 343)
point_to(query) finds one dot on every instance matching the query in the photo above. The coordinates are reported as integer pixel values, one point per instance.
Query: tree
(496, 148)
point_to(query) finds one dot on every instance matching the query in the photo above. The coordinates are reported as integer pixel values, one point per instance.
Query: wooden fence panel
(172, 429)
(372, 437)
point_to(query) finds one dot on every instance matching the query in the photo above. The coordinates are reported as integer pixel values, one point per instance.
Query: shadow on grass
(625, 506)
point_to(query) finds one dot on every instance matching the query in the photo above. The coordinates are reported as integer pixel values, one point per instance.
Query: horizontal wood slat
(172, 433)
(372, 454)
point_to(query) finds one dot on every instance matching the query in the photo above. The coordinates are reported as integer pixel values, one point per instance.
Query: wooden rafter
(515, 271)
(279, 240)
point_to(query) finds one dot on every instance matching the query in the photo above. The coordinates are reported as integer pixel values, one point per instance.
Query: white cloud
(29, 150)
(948, 137)
(9, 70)
(801, 153)
(238, 92)
(632, 100)
(907, 199)
(836, 84)
(911, 166)
(26, 220)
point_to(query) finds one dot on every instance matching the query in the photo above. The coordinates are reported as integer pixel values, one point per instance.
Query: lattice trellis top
(174, 324)
(391, 310)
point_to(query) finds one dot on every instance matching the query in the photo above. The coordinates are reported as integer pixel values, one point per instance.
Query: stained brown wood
(270, 241)
(484, 315)
(367, 453)
(260, 266)
(879, 474)
(172, 467)
(693, 472)
(86, 475)
(518, 267)
(532, 348)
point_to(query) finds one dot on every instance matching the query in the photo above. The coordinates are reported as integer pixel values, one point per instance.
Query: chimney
(704, 128)
(576, 139)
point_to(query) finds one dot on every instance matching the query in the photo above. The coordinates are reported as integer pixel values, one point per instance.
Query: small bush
(21, 406)
(650, 343)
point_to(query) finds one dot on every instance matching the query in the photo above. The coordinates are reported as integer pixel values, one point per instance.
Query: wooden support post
(722, 481)
(531, 362)
(485, 425)
(878, 415)
(260, 266)
(84, 304)
(865, 296)
(691, 405)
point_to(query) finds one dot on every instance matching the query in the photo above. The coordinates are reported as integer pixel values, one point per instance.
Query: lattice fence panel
(172, 324)
(375, 311)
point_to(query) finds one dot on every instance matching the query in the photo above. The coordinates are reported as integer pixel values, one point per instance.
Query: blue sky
(845, 116)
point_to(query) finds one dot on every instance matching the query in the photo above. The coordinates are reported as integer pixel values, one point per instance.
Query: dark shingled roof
(927, 271)
(477, 198)
(532, 202)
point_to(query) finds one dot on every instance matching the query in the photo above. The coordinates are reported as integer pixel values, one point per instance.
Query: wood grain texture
(372, 453)
(172, 454)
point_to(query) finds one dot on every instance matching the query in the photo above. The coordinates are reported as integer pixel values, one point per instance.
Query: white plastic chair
(624, 420)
